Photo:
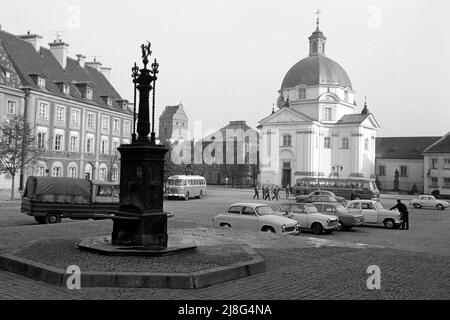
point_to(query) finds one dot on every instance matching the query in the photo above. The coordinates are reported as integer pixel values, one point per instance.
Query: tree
(113, 164)
(17, 147)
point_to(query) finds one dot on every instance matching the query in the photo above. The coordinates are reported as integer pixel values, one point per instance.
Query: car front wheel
(440, 207)
(389, 224)
(417, 205)
(225, 225)
(268, 230)
(340, 226)
(317, 228)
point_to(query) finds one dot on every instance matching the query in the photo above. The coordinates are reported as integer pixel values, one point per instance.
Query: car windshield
(311, 209)
(378, 206)
(263, 210)
(340, 208)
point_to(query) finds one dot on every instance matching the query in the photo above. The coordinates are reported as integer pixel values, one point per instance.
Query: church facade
(317, 130)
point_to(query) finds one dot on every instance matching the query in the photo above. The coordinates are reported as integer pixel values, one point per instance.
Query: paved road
(414, 263)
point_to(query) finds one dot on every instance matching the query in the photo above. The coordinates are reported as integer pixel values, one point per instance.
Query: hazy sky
(225, 60)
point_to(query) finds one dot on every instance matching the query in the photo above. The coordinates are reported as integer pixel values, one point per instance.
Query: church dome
(316, 70)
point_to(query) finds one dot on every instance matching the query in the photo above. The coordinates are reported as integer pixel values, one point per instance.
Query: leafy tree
(17, 147)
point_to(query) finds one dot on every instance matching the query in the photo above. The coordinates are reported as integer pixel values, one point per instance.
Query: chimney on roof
(59, 51)
(81, 60)
(106, 72)
(34, 39)
(94, 64)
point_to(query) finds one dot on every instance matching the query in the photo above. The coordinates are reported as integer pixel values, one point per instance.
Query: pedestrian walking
(275, 192)
(263, 190)
(267, 197)
(256, 195)
(404, 214)
(288, 188)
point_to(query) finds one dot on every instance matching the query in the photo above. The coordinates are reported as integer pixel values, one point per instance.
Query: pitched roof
(402, 147)
(170, 111)
(353, 118)
(232, 125)
(440, 146)
(27, 61)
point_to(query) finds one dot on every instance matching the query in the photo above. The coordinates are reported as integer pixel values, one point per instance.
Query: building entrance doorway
(286, 179)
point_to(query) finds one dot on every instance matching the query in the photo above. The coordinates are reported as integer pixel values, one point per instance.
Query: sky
(225, 60)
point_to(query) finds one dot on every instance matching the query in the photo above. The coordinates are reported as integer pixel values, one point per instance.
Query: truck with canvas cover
(49, 199)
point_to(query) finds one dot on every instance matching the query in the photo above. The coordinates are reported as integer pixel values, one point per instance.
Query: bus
(348, 188)
(186, 187)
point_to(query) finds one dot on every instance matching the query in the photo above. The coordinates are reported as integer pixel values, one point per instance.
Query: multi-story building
(403, 155)
(230, 155)
(78, 117)
(437, 166)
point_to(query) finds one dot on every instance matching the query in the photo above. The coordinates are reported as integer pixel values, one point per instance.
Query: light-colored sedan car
(313, 197)
(309, 218)
(255, 217)
(425, 201)
(374, 213)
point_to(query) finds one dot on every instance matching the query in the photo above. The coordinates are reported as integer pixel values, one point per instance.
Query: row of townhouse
(78, 117)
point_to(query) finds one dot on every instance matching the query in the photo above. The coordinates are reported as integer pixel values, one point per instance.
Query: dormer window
(109, 101)
(41, 82)
(7, 75)
(66, 89)
(124, 106)
(89, 94)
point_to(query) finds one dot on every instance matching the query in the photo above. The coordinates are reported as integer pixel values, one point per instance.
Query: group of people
(271, 192)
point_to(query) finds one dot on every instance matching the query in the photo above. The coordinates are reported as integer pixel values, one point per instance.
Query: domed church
(317, 130)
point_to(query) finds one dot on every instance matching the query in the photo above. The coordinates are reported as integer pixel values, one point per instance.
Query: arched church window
(315, 47)
(345, 144)
(346, 96)
(287, 140)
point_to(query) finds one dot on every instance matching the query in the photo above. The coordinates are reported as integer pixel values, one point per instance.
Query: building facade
(79, 119)
(437, 166)
(317, 129)
(231, 155)
(403, 155)
(173, 124)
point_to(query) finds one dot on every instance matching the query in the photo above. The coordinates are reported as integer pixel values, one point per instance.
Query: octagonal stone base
(103, 245)
(205, 266)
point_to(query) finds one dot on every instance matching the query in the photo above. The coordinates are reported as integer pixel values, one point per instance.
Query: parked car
(49, 199)
(312, 197)
(374, 213)
(255, 217)
(309, 218)
(347, 220)
(425, 201)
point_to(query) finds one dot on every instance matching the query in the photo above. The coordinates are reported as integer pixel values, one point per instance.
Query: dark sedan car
(347, 220)
(320, 196)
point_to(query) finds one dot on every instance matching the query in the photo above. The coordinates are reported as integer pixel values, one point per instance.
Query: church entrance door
(286, 177)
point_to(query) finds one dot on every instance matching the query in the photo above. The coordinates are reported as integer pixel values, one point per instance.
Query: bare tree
(17, 147)
(113, 164)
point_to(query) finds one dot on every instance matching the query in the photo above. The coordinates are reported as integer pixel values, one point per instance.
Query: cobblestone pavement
(306, 273)
(298, 267)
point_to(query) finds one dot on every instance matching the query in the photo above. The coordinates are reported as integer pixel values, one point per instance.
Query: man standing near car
(404, 214)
